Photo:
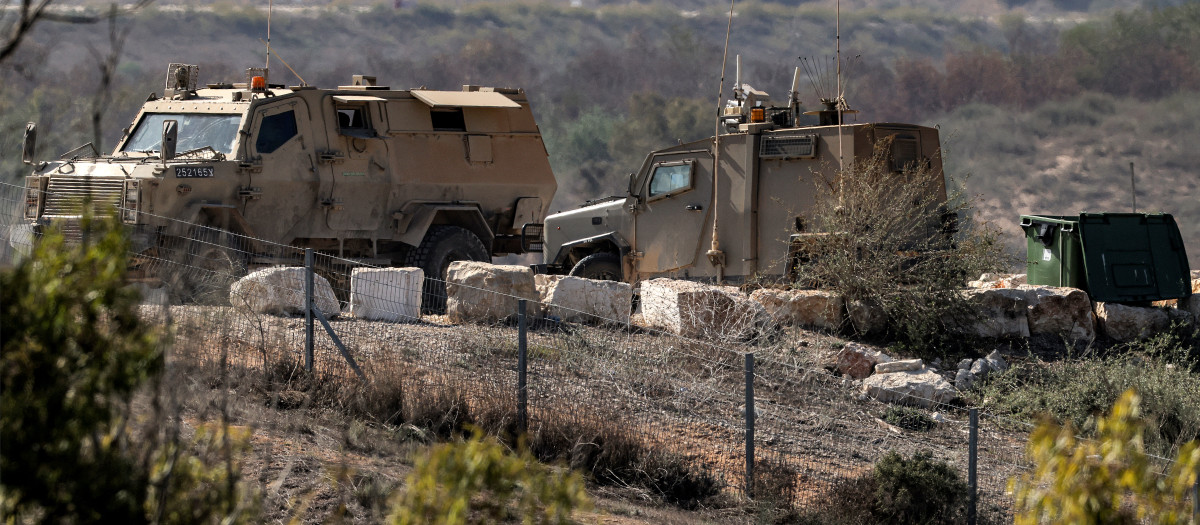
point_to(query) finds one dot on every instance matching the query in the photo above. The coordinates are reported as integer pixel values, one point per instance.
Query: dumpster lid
(1134, 257)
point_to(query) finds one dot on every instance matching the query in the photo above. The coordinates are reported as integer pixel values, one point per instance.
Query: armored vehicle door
(281, 186)
(676, 190)
(357, 182)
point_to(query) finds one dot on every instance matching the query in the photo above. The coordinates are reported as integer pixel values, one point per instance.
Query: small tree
(74, 353)
(1106, 480)
(891, 241)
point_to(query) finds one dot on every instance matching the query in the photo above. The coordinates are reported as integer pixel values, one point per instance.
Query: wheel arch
(418, 219)
(571, 253)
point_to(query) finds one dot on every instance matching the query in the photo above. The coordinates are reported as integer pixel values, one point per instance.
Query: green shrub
(908, 418)
(74, 355)
(917, 490)
(1108, 480)
(477, 480)
(1076, 391)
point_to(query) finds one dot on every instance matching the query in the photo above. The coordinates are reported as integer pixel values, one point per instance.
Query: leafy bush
(908, 418)
(1105, 480)
(1077, 391)
(74, 356)
(917, 490)
(475, 481)
(888, 244)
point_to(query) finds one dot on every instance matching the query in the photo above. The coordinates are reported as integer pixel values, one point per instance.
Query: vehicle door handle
(694, 207)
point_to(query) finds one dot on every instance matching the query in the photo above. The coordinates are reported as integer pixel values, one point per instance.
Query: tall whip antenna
(841, 102)
(715, 255)
(270, 8)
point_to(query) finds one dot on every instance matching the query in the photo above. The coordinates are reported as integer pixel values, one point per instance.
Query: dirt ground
(320, 464)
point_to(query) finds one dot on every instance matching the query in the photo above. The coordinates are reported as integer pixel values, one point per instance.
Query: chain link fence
(634, 407)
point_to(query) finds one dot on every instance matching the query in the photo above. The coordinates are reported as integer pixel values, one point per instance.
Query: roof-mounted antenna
(285, 64)
(715, 256)
(270, 9)
(794, 97)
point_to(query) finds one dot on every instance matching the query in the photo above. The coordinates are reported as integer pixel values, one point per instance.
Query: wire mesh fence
(632, 406)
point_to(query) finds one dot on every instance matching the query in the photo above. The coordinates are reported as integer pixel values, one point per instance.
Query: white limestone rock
(1129, 323)
(923, 388)
(1060, 311)
(543, 282)
(906, 365)
(576, 299)
(386, 294)
(700, 311)
(809, 308)
(965, 380)
(980, 369)
(996, 362)
(998, 280)
(483, 292)
(279, 290)
(1001, 313)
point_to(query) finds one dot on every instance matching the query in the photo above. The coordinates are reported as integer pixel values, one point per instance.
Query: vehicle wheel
(441, 246)
(202, 269)
(604, 266)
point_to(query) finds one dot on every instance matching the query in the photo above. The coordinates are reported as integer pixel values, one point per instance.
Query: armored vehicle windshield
(196, 131)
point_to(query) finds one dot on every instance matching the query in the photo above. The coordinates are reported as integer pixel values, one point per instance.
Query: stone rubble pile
(857, 361)
(908, 382)
(971, 373)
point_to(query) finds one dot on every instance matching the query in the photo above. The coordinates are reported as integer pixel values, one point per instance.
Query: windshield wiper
(207, 151)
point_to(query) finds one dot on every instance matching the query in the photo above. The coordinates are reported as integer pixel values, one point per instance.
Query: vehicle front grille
(66, 196)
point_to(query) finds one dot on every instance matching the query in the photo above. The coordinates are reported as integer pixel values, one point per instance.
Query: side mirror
(29, 143)
(169, 136)
(631, 190)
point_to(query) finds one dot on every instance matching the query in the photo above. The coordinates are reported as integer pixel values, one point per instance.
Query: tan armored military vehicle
(762, 196)
(401, 177)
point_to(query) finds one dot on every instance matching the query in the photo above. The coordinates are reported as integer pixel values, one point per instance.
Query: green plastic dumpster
(1115, 257)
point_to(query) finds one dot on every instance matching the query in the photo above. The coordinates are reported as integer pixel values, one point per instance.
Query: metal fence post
(308, 309)
(750, 425)
(522, 366)
(972, 449)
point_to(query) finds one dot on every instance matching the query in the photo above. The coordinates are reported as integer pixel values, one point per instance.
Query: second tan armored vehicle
(402, 177)
(762, 197)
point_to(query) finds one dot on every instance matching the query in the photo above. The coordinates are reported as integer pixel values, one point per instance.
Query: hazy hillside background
(1043, 103)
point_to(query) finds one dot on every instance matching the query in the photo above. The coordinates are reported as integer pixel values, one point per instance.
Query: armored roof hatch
(461, 99)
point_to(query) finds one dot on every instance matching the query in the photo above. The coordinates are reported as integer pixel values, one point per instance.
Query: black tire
(441, 246)
(603, 266)
(203, 269)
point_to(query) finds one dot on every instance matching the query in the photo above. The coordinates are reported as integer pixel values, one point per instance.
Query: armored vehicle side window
(351, 117)
(448, 119)
(670, 178)
(905, 152)
(275, 131)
